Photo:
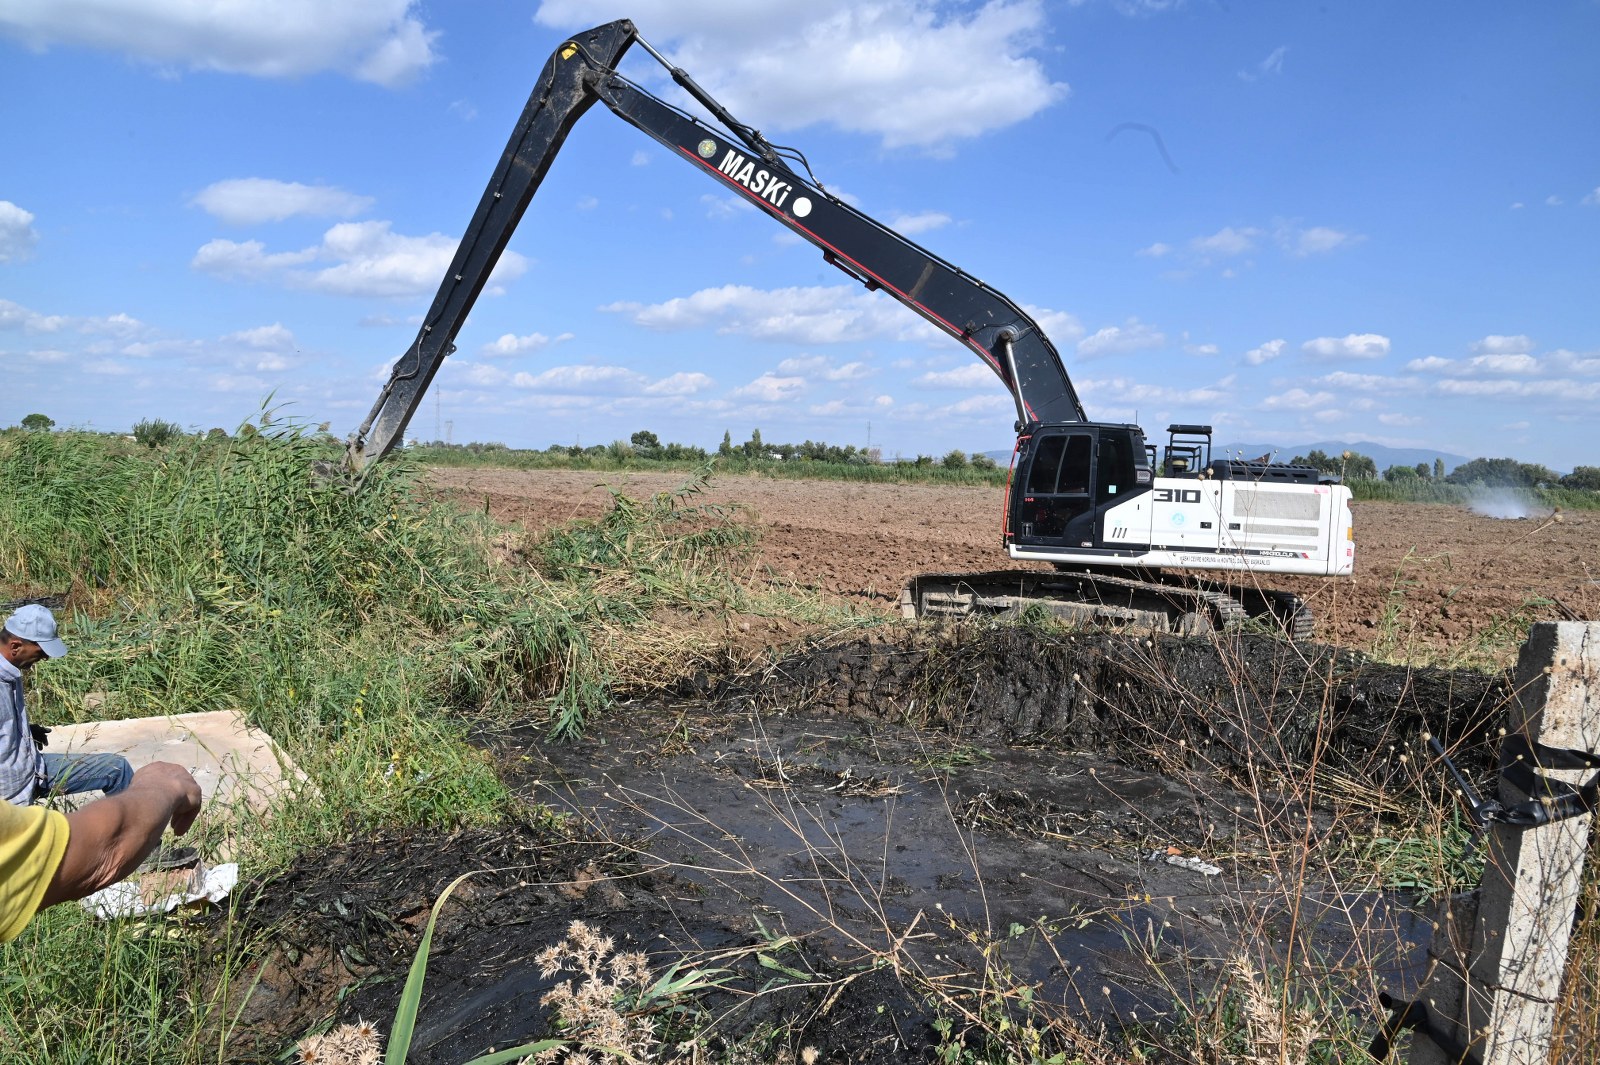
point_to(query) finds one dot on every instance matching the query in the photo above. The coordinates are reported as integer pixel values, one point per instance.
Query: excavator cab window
(1058, 485)
(1116, 468)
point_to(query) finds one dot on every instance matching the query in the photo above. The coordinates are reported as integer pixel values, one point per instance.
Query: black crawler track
(1184, 606)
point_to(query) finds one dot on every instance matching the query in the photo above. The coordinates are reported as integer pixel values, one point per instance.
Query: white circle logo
(707, 148)
(802, 207)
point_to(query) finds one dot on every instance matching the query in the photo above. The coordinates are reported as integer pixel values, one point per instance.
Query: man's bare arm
(111, 836)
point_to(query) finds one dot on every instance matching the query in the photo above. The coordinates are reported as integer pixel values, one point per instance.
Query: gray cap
(36, 624)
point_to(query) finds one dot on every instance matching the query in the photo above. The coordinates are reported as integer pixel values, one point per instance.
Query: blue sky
(1295, 222)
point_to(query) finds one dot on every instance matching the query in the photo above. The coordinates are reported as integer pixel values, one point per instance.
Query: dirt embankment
(1434, 577)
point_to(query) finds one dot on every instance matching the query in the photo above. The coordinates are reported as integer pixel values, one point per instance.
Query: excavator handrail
(583, 71)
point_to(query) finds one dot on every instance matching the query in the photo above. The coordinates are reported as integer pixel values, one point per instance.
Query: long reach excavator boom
(582, 72)
(1120, 520)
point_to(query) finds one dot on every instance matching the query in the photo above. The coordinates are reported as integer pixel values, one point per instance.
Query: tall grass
(362, 628)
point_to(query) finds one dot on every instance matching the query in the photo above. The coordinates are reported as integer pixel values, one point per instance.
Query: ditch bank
(1078, 832)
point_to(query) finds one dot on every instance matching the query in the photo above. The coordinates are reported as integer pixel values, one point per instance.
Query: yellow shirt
(32, 843)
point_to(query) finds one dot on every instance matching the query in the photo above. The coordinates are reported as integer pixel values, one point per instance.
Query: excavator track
(1185, 607)
(1286, 610)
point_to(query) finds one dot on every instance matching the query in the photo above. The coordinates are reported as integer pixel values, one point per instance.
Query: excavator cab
(1066, 474)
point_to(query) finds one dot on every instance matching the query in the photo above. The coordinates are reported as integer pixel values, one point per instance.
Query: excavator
(1126, 527)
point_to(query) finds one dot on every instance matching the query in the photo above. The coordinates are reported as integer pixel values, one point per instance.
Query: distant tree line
(646, 446)
(1492, 473)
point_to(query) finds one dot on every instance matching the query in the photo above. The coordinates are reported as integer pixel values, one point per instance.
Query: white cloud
(1363, 382)
(607, 380)
(985, 405)
(1351, 346)
(1204, 351)
(816, 315)
(968, 375)
(1430, 364)
(276, 337)
(912, 224)
(381, 41)
(1061, 327)
(1593, 198)
(246, 260)
(1316, 240)
(1297, 399)
(510, 344)
(1226, 241)
(1494, 344)
(680, 384)
(1265, 353)
(724, 207)
(1512, 364)
(1555, 388)
(16, 316)
(1231, 242)
(770, 388)
(1565, 361)
(17, 235)
(251, 201)
(1129, 393)
(822, 368)
(1273, 64)
(914, 73)
(1118, 340)
(1553, 201)
(367, 260)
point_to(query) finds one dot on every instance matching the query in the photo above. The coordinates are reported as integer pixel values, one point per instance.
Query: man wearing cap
(30, 636)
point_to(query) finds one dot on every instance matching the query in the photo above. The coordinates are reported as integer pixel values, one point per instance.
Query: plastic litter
(148, 895)
(1194, 865)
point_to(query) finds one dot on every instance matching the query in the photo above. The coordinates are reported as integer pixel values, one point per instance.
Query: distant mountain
(1379, 453)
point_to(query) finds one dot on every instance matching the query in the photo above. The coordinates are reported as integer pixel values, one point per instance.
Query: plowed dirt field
(1440, 580)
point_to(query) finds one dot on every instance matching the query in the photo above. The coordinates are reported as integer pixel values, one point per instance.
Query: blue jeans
(68, 774)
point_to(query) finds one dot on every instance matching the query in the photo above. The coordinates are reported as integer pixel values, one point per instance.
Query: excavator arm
(583, 71)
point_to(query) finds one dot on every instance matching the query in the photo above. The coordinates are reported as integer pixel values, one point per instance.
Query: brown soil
(1437, 579)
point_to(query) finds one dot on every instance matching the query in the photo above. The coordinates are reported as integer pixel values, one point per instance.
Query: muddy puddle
(859, 829)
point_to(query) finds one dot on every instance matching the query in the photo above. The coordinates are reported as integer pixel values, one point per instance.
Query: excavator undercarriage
(1181, 604)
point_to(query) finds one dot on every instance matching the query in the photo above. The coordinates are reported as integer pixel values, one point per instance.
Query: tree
(646, 444)
(726, 447)
(1401, 473)
(1501, 473)
(1424, 471)
(752, 447)
(980, 461)
(1351, 465)
(38, 423)
(153, 432)
(1586, 478)
(955, 460)
(1438, 469)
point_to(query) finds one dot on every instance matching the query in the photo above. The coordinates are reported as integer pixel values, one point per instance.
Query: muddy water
(1115, 889)
(1110, 820)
